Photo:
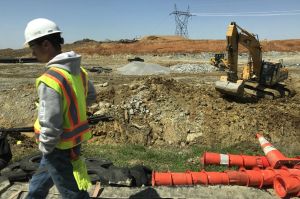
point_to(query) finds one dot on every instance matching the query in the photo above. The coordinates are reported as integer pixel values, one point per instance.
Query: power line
(249, 14)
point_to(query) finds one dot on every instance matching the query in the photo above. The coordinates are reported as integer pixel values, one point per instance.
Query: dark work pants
(55, 169)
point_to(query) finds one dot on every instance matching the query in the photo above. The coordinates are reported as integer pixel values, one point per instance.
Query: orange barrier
(243, 177)
(287, 185)
(237, 178)
(214, 178)
(246, 161)
(274, 156)
(189, 178)
(260, 178)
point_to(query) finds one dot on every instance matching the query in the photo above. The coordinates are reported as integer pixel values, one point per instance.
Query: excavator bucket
(230, 88)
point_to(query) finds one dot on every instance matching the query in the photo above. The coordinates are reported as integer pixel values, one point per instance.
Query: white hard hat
(38, 28)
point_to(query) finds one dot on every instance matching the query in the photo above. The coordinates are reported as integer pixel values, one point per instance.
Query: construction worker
(64, 92)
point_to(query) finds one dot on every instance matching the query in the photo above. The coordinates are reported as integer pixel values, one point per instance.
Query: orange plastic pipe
(243, 177)
(260, 178)
(189, 178)
(287, 185)
(214, 178)
(246, 161)
(237, 178)
(182, 179)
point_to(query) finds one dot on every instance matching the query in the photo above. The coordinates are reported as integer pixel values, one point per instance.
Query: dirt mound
(157, 45)
(165, 45)
(163, 110)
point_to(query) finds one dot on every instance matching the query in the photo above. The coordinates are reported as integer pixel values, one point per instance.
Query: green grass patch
(167, 158)
(157, 158)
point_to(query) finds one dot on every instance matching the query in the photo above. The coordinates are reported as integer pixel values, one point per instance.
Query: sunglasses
(31, 45)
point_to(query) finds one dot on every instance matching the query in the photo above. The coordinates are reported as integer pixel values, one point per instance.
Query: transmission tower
(181, 19)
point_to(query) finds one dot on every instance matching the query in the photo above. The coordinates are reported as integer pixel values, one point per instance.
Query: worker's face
(40, 50)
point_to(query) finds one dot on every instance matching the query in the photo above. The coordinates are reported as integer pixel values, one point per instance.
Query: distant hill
(157, 45)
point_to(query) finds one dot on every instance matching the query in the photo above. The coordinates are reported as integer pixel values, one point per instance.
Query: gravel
(142, 68)
(192, 68)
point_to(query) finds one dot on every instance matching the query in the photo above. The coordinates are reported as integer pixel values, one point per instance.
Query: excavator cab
(272, 73)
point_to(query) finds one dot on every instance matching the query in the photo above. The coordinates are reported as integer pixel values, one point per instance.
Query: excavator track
(260, 91)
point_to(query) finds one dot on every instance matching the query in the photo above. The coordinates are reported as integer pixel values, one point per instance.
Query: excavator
(259, 78)
(219, 61)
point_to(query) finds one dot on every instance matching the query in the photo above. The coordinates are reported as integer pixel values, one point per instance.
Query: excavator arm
(236, 35)
(231, 84)
(250, 41)
(232, 49)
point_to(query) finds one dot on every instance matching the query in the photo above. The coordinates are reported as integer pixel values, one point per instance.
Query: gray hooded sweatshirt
(50, 111)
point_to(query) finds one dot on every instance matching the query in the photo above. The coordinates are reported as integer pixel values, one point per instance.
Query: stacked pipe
(254, 178)
(245, 161)
(273, 169)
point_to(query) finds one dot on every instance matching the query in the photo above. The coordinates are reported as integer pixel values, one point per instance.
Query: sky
(102, 20)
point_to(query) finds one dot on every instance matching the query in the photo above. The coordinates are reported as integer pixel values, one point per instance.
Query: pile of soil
(171, 110)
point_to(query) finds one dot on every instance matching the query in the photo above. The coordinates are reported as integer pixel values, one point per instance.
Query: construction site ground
(178, 109)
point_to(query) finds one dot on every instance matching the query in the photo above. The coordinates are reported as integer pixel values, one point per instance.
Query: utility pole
(181, 19)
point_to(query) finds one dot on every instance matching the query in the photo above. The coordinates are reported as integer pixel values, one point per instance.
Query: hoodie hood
(69, 61)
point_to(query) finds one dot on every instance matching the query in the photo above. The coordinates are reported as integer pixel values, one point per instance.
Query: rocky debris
(136, 105)
(192, 68)
(137, 68)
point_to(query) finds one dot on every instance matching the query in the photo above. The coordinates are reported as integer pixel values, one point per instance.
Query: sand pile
(142, 68)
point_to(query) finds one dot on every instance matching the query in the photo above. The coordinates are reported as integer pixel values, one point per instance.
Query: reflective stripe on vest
(76, 133)
(68, 93)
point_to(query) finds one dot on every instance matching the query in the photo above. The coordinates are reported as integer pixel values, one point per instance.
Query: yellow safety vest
(73, 90)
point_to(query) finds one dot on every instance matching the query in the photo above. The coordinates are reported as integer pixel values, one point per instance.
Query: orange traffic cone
(274, 156)
(287, 185)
